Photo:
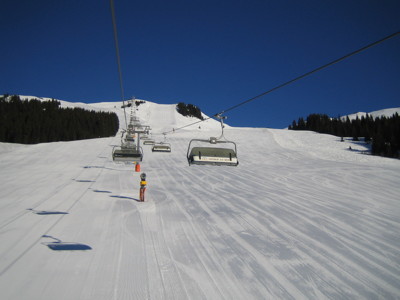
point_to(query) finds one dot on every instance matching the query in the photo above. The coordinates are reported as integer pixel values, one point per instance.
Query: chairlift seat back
(212, 156)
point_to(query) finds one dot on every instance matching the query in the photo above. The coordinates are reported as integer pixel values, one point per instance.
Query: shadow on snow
(124, 197)
(59, 245)
(47, 212)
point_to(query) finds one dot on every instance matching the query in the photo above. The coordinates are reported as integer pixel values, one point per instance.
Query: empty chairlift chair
(161, 147)
(142, 129)
(211, 154)
(148, 142)
(122, 154)
(127, 152)
(213, 151)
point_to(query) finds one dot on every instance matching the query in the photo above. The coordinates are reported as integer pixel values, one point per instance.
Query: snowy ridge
(301, 217)
(389, 112)
(164, 117)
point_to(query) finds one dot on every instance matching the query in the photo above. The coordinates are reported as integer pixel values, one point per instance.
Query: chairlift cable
(313, 71)
(295, 79)
(118, 58)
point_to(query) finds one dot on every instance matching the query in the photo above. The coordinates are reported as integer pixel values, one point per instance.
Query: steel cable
(118, 58)
(294, 80)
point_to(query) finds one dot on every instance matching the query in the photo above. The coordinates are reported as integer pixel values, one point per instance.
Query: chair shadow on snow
(93, 167)
(101, 191)
(59, 245)
(360, 151)
(48, 212)
(125, 197)
(84, 180)
(360, 147)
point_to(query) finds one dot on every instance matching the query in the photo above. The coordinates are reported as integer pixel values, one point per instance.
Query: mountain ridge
(116, 107)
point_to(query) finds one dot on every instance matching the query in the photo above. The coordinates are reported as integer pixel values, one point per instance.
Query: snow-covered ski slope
(301, 217)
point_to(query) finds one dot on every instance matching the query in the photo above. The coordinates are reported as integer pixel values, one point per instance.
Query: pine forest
(34, 121)
(382, 132)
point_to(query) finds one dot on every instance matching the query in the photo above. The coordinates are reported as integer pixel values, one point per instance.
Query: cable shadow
(59, 245)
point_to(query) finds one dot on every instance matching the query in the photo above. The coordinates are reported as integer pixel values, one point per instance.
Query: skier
(143, 184)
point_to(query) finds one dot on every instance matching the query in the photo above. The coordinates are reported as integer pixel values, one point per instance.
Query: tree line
(33, 121)
(383, 132)
(137, 103)
(189, 110)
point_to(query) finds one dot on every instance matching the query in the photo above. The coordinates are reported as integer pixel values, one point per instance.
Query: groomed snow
(301, 217)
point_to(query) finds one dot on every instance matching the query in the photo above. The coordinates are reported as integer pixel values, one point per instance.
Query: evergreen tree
(189, 110)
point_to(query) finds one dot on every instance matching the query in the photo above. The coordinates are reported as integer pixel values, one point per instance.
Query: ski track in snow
(301, 217)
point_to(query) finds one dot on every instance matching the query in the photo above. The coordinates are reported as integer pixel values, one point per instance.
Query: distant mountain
(379, 113)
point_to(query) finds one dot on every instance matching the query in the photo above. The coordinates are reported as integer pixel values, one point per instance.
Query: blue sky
(213, 54)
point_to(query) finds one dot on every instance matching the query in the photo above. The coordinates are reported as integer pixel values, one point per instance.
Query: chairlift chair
(148, 142)
(212, 153)
(161, 147)
(134, 119)
(141, 129)
(127, 154)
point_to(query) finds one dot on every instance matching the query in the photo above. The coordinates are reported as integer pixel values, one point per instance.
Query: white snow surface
(301, 217)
